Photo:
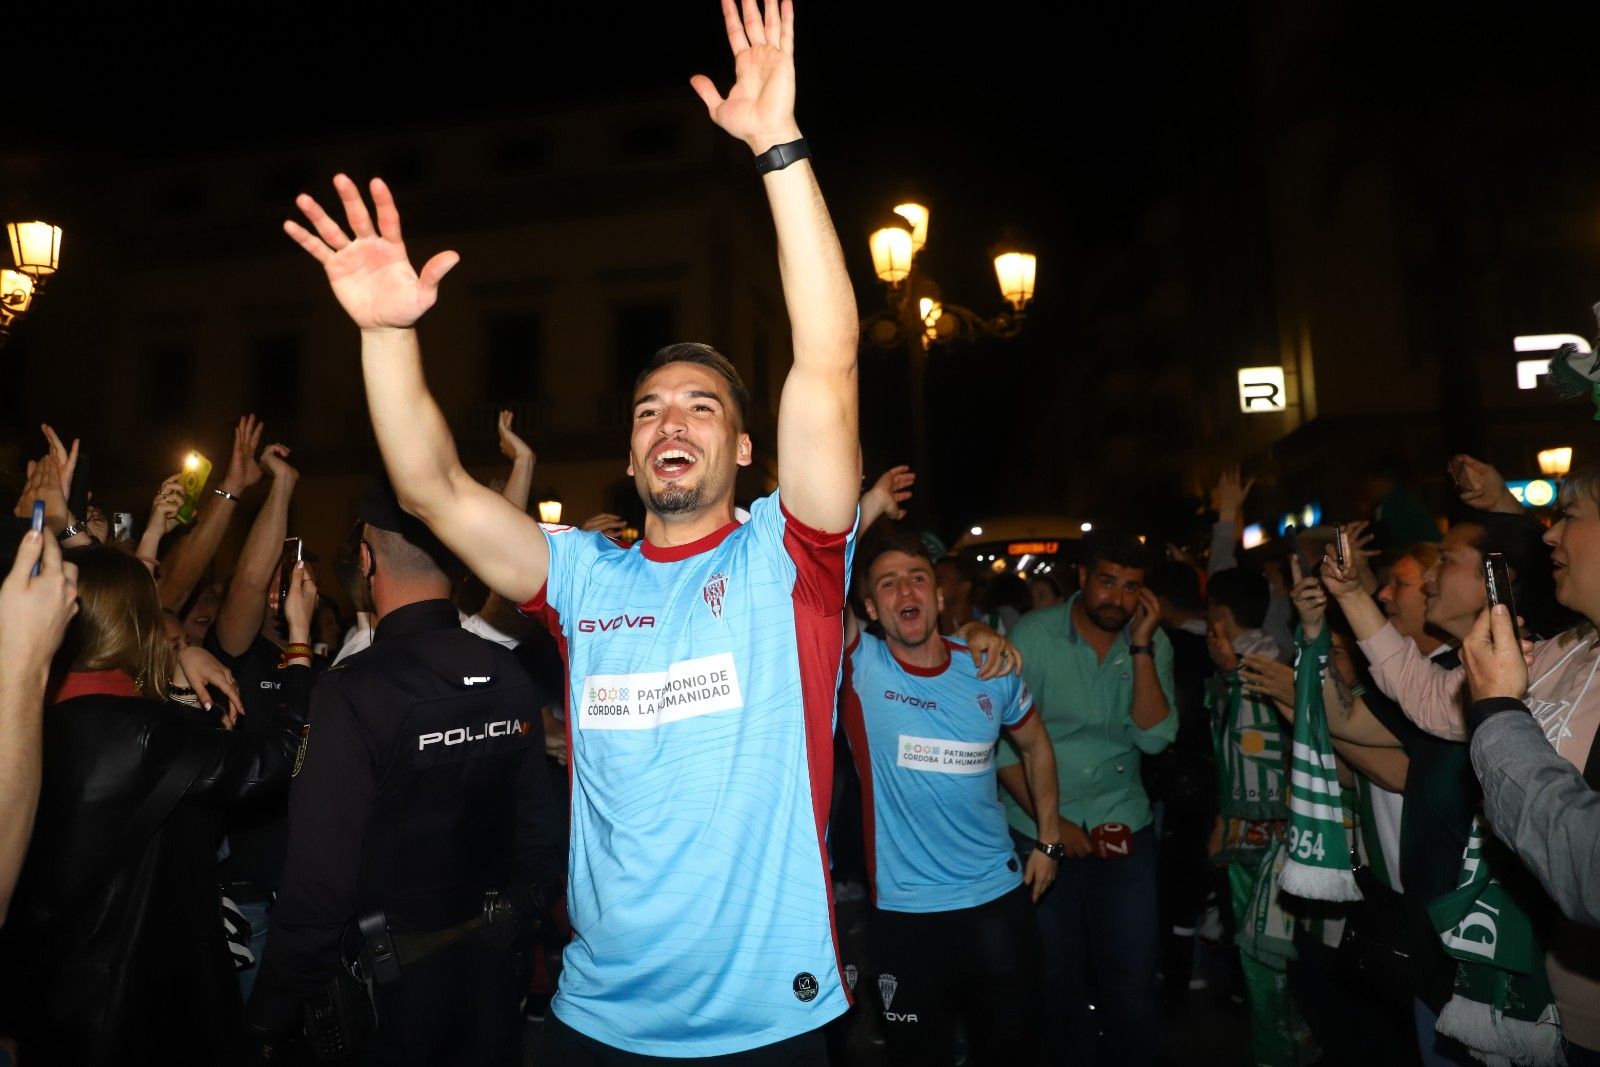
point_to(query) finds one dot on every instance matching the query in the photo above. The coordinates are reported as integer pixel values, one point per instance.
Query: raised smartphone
(1497, 581)
(196, 469)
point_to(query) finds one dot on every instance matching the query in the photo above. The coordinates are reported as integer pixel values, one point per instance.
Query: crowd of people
(523, 771)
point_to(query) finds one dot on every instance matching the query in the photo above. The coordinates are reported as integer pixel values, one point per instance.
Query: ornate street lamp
(916, 315)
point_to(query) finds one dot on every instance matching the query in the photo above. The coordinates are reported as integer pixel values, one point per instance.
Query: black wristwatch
(1142, 650)
(1056, 851)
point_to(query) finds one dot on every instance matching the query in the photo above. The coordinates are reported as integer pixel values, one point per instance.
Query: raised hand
(1481, 485)
(44, 483)
(1220, 648)
(66, 460)
(243, 470)
(35, 609)
(164, 508)
(1146, 617)
(513, 447)
(1231, 493)
(1310, 604)
(1340, 581)
(95, 521)
(1496, 662)
(892, 489)
(275, 458)
(371, 276)
(606, 523)
(301, 606)
(759, 109)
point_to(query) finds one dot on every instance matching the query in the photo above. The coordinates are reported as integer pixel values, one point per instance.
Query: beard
(1109, 617)
(675, 500)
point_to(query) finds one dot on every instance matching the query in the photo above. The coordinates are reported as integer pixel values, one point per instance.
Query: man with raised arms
(702, 662)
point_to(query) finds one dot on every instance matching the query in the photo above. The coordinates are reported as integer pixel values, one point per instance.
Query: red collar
(929, 672)
(674, 553)
(95, 683)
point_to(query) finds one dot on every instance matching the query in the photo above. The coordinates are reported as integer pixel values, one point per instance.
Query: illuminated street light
(1555, 462)
(916, 316)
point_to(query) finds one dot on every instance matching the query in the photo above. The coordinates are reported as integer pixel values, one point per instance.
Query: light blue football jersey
(923, 740)
(701, 686)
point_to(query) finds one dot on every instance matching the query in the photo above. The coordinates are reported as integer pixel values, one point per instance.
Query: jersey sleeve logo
(987, 705)
(715, 588)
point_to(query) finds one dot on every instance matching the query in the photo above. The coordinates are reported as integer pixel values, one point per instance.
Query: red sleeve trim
(535, 604)
(1020, 723)
(810, 534)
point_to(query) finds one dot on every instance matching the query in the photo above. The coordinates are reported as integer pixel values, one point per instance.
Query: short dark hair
(893, 541)
(1124, 550)
(1178, 584)
(702, 355)
(1242, 591)
(1050, 581)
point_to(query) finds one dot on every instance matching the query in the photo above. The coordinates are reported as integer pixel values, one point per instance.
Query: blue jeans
(256, 916)
(1101, 943)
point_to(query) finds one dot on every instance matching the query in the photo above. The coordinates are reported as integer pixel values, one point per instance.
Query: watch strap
(781, 155)
(1142, 650)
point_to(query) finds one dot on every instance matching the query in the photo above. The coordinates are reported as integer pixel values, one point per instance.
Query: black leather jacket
(114, 951)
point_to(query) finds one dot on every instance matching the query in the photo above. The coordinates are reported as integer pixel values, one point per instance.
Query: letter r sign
(1261, 390)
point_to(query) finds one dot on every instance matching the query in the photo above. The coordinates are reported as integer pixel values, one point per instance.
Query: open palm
(371, 276)
(759, 109)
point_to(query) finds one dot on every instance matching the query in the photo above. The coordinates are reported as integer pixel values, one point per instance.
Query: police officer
(421, 839)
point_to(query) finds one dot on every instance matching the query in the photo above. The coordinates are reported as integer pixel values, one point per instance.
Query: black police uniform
(421, 784)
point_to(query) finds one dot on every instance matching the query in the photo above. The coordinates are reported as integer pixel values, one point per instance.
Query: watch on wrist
(224, 494)
(1142, 650)
(781, 155)
(73, 530)
(1055, 849)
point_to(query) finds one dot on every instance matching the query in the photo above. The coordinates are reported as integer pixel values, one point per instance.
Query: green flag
(1317, 864)
(1502, 1008)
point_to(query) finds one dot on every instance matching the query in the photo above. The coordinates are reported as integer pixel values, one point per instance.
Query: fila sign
(1261, 390)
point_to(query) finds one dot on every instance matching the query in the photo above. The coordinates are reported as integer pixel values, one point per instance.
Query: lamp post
(36, 255)
(916, 316)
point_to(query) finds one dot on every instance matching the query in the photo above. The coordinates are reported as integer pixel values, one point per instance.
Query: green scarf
(1502, 1008)
(1266, 932)
(1318, 863)
(1250, 744)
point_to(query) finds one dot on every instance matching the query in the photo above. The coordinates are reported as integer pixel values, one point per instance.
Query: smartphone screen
(196, 469)
(38, 527)
(1341, 548)
(294, 550)
(1497, 580)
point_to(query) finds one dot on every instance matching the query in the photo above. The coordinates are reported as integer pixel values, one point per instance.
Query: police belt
(383, 953)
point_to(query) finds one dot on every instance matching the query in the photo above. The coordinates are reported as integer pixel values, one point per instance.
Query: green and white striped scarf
(1266, 931)
(1318, 863)
(1249, 740)
(1502, 1008)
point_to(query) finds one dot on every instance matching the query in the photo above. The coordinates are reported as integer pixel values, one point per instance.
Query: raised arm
(886, 495)
(187, 561)
(240, 618)
(374, 282)
(519, 483)
(819, 463)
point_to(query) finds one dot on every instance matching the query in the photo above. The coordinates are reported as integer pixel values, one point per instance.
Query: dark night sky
(1066, 124)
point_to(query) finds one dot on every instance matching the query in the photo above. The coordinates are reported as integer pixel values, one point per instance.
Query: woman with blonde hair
(116, 940)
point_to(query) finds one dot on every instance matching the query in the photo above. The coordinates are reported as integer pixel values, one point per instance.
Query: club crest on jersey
(887, 984)
(986, 705)
(715, 588)
(850, 976)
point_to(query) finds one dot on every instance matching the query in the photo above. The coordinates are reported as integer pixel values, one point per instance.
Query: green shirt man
(1086, 703)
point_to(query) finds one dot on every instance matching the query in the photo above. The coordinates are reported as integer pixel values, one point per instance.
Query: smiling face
(903, 597)
(1403, 599)
(1575, 554)
(687, 444)
(202, 613)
